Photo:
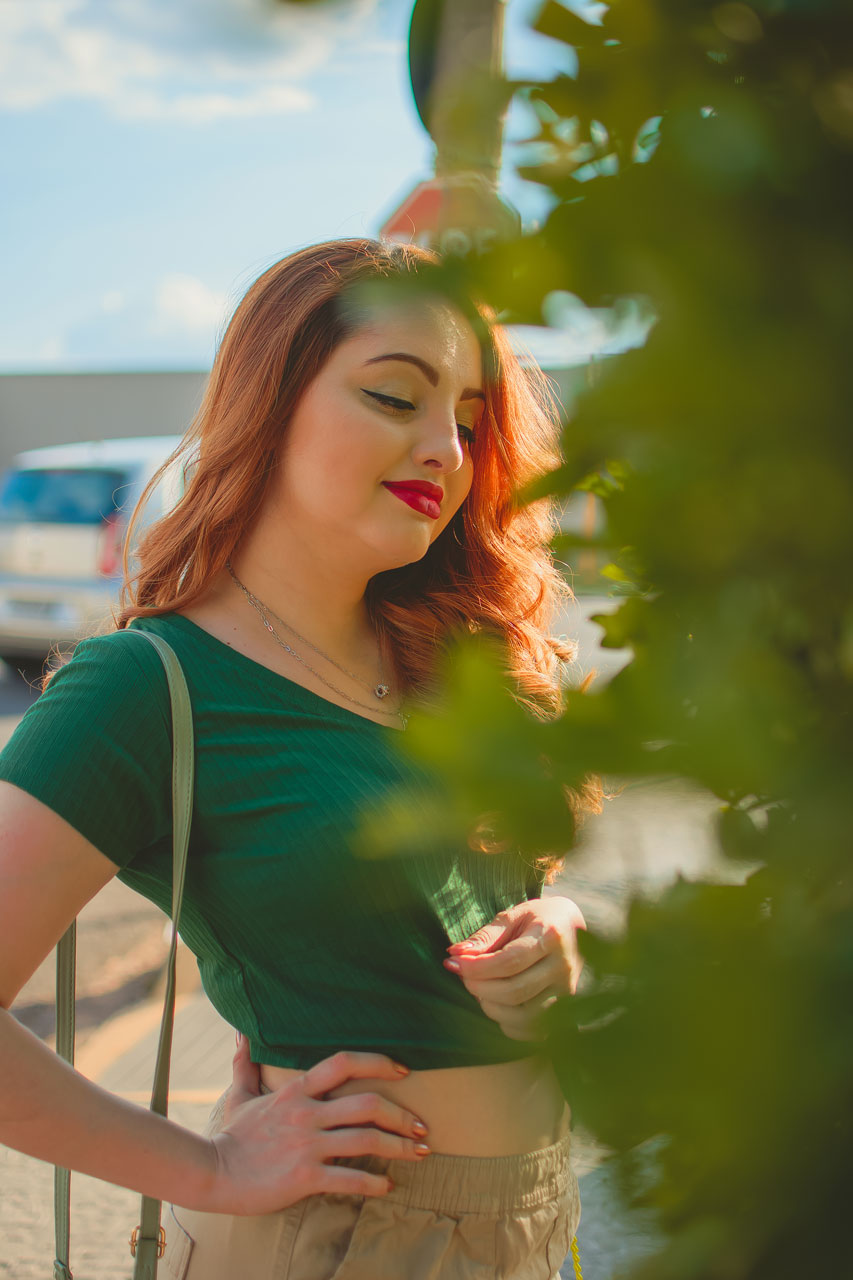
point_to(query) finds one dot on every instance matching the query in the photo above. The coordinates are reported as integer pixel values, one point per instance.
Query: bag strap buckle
(134, 1241)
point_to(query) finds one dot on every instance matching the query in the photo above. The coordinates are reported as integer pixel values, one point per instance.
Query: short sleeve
(96, 746)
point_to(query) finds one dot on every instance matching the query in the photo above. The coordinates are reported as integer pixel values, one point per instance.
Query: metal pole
(456, 49)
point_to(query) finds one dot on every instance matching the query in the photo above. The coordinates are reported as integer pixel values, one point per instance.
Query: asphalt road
(18, 689)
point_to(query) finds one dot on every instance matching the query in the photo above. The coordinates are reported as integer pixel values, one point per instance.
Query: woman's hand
(520, 963)
(277, 1148)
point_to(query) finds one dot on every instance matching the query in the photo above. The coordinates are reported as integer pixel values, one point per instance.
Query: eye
(396, 405)
(401, 406)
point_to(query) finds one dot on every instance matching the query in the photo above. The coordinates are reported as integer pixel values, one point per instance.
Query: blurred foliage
(701, 161)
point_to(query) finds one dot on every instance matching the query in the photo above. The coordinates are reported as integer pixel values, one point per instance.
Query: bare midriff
(506, 1108)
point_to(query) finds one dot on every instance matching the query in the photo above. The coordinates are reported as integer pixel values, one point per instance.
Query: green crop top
(302, 945)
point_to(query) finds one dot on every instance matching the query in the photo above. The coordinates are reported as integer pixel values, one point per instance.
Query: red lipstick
(419, 494)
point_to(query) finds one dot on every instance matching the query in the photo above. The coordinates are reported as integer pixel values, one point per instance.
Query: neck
(321, 597)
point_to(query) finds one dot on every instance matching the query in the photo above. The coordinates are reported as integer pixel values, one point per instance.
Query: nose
(438, 444)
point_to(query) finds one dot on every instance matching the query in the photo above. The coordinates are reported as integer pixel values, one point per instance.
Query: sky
(157, 155)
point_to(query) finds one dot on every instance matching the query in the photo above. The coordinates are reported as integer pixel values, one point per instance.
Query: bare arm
(48, 871)
(273, 1150)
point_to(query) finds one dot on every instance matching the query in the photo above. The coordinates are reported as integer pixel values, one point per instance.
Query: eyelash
(403, 406)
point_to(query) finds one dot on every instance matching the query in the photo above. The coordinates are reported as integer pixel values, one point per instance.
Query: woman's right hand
(274, 1147)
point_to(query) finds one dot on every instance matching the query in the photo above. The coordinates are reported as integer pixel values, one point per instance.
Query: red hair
(490, 570)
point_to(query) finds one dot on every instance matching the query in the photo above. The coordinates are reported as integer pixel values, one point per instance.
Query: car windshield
(78, 495)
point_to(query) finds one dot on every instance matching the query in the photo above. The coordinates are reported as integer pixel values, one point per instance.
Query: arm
(274, 1148)
(48, 1110)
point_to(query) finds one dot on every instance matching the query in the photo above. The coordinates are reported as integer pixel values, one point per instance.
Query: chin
(401, 561)
(402, 554)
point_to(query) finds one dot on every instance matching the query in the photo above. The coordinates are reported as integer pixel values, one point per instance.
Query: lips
(419, 494)
(433, 491)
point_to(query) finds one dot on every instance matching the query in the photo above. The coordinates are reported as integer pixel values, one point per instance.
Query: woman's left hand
(519, 964)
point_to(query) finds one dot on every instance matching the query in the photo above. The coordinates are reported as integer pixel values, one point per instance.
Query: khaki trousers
(448, 1218)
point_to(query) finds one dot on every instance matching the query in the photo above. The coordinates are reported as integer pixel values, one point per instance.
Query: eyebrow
(431, 374)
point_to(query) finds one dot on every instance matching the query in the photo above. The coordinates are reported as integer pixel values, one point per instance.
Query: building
(59, 408)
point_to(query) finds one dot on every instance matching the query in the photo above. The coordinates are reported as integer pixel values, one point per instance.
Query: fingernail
(239, 1037)
(390, 1184)
(422, 1149)
(452, 965)
(419, 1128)
(398, 1066)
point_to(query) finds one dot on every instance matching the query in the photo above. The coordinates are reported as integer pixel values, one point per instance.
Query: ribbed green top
(302, 945)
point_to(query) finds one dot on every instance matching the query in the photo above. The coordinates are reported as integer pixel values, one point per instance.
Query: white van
(63, 516)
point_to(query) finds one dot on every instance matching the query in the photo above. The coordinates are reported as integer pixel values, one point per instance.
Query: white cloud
(112, 302)
(194, 61)
(389, 48)
(51, 349)
(185, 304)
(202, 108)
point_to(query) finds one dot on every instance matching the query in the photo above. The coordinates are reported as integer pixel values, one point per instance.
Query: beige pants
(448, 1218)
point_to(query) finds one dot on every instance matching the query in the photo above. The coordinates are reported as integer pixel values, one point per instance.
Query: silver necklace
(380, 690)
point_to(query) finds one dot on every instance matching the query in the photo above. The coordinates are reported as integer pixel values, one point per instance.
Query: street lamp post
(455, 60)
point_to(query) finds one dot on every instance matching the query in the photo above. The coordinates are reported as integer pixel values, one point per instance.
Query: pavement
(652, 833)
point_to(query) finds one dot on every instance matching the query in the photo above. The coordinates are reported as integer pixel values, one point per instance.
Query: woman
(351, 505)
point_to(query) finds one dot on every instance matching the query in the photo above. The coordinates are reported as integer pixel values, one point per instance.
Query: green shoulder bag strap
(147, 1243)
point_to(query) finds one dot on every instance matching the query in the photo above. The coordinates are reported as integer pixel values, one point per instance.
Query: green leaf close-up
(712, 1040)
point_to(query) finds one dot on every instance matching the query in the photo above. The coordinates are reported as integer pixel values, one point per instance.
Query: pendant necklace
(380, 690)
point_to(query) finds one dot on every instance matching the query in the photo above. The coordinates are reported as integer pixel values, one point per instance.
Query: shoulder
(96, 746)
(113, 687)
(120, 669)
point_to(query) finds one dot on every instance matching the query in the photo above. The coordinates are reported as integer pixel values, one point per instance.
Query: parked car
(63, 516)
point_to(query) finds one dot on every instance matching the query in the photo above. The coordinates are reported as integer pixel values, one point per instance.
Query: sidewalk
(119, 1055)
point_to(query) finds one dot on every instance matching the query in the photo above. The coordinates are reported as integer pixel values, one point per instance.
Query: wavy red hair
(489, 571)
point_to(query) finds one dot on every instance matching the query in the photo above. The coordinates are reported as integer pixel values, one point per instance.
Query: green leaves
(494, 755)
(560, 23)
(700, 158)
